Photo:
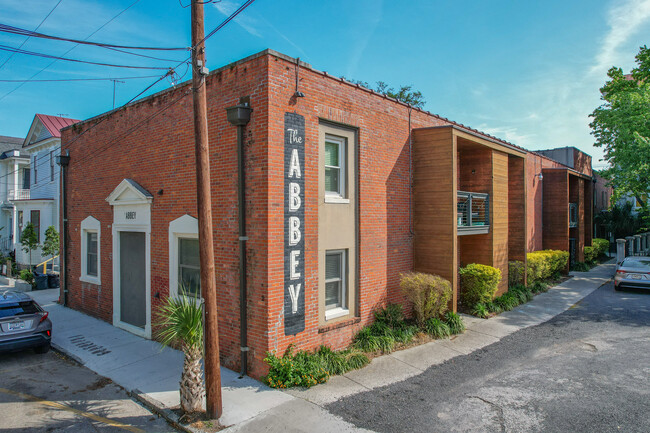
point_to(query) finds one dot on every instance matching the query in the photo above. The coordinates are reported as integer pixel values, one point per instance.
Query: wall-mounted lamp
(298, 93)
(473, 171)
(540, 176)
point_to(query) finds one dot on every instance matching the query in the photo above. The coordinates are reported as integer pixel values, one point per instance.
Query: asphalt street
(586, 370)
(51, 393)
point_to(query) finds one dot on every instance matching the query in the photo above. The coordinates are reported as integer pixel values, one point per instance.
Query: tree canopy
(405, 94)
(621, 126)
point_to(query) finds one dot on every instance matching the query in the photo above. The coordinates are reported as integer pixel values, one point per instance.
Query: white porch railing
(19, 194)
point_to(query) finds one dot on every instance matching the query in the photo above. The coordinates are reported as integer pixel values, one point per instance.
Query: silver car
(23, 323)
(633, 272)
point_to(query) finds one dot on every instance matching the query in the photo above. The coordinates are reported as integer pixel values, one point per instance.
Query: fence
(637, 245)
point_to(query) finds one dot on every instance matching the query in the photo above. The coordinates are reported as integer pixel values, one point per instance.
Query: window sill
(337, 200)
(335, 313)
(91, 280)
(339, 325)
(473, 230)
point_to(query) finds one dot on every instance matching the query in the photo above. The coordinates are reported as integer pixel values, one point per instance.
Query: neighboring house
(602, 196)
(39, 202)
(345, 190)
(14, 183)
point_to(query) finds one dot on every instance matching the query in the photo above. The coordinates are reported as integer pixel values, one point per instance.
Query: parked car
(23, 323)
(633, 272)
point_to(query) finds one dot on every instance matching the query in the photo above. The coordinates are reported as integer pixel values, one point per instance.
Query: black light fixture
(239, 115)
(298, 93)
(63, 160)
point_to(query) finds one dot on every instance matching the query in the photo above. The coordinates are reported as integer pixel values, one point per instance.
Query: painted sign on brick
(294, 217)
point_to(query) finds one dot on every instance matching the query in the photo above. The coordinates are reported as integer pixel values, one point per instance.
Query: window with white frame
(35, 169)
(184, 268)
(52, 166)
(335, 166)
(335, 283)
(573, 214)
(90, 251)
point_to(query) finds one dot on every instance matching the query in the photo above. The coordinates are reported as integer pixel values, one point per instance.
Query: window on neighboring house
(20, 222)
(335, 162)
(335, 284)
(26, 175)
(573, 215)
(189, 278)
(91, 254)
(90, 251)
(52, 166)
(35, 169)
(35, 219)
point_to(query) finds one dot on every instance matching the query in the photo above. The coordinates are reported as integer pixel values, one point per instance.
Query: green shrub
(27, 276)
(455, 323)
(480, 310)
(478, 283)
(600, 245)
(591, 254)
(373, 339)
(515, 273)
(493, 307)
(539, 287)
(507, 301)
(545, 264)
(339, 362)
(436, 328)
(302, 369)
(430, 295)
(392, 315)
(581, 267)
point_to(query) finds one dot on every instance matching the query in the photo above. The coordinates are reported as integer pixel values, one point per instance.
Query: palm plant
(181, 325)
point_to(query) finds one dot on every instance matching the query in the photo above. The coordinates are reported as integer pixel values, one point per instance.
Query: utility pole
(204, 204)
(114, 83)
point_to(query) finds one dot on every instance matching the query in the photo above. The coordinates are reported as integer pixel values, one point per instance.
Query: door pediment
(129, 192)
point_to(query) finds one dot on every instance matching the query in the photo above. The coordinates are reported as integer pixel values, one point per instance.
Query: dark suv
(23, 323)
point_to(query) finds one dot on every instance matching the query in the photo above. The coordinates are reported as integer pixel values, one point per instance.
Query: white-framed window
(90, 251)
(35, 169)
(573, 214)
(184, 269)
(335, 283)
(335, 166)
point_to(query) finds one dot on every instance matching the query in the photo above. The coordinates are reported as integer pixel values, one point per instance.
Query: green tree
(406, 94)
(29, 240)
(51, 242)
(619, 220)
(181, 325)
(621, 126)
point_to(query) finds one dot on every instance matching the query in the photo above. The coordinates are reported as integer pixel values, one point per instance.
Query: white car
(633, 272)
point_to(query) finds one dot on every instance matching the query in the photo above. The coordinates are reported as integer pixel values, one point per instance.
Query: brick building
(331, 218)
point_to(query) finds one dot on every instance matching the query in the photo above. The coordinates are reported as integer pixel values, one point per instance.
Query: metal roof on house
(54, 124)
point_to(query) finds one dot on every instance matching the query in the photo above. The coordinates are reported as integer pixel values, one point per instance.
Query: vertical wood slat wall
(499, 217)
(434, 204)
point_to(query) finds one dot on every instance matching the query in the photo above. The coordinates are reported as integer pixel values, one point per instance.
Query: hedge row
(544, 264)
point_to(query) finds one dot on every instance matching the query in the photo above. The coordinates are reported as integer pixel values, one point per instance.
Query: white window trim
(184, 227)
(336, 312)
(90, 225)
(331, 196)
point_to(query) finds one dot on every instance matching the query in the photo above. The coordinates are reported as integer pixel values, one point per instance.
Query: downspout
(411, 231)
(239, 115)
(63, 161)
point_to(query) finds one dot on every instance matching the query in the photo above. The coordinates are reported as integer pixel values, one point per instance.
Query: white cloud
(508, 133)
(245, 21)
(624, 20)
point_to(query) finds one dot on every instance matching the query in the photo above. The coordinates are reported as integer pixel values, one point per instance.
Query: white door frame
(131, 213)
(117, 228)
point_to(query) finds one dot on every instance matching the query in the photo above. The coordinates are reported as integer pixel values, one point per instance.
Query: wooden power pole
(204, 204)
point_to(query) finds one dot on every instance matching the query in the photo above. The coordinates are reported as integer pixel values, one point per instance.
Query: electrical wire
(48, 56)
(79, 79)
(54, 61)
(226, 21)
(27, 38)
(5, 28)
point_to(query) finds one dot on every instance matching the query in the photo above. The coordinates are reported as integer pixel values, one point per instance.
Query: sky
(528, 72)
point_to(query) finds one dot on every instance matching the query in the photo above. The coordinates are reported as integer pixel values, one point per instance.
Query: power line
(54, 61)
(27, 38)
(226, 21)
(79, 79)
(29, 33)
(48, 56)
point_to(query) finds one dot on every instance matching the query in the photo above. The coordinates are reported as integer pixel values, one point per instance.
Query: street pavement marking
(56, 405)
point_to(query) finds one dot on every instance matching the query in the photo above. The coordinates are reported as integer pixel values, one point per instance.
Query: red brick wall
(158, 153)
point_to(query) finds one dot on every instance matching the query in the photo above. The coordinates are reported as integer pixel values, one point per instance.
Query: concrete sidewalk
(152, 372)
(145, 368)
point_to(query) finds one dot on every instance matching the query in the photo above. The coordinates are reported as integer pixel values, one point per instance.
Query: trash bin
(41, 281)
(53, 281)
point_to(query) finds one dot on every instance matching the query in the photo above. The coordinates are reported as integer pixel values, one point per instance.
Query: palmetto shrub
(180, 320)
(430, 295)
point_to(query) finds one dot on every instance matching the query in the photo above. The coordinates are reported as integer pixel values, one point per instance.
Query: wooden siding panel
(499, 217)
(555, 212)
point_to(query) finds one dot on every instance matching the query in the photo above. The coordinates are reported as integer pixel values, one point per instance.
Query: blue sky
(527, 71)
